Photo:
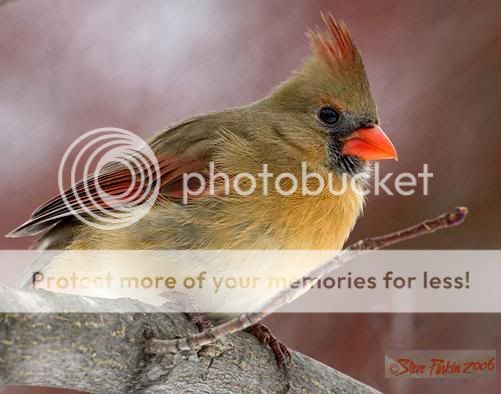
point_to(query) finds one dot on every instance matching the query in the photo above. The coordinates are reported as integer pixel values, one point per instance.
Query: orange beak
(370, 144)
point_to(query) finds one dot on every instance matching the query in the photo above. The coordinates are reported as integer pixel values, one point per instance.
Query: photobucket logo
(307, 183)
(120, 182)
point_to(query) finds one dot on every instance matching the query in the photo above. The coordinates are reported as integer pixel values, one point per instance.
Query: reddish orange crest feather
(335, 46)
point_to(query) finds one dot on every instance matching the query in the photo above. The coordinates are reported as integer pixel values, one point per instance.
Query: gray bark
(105, 352)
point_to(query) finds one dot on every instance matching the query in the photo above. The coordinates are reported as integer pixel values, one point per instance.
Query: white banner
(223, 281)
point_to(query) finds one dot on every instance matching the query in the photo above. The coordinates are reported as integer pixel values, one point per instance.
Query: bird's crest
(335, 46)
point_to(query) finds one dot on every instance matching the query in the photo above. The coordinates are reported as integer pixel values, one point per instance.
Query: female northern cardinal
(323, 115)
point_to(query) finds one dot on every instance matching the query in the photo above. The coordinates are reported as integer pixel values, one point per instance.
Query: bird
(323, 117)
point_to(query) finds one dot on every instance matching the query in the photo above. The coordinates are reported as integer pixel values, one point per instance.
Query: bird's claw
(281, 352)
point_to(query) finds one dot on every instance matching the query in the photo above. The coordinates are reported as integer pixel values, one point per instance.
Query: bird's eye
(328, 115)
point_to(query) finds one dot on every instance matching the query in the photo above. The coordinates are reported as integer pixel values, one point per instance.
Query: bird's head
(329, 106)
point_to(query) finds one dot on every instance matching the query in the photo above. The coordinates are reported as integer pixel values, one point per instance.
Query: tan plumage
(236, 222)
(282, 130)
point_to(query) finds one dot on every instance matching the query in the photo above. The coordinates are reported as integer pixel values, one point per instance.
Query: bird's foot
(199, 320)
(265, 336)
(212, 350)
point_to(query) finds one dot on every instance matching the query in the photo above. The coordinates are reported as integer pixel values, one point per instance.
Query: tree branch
(446, 220)
(104, 352)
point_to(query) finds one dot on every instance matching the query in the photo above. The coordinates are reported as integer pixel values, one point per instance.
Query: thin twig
(446, 220)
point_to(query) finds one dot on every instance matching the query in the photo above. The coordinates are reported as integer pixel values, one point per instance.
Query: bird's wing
(187, 152)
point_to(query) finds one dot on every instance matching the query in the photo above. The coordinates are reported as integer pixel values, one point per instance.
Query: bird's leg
(265, 336)
(183, 302)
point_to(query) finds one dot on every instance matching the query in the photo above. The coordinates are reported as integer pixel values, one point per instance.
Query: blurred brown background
(434, 66)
